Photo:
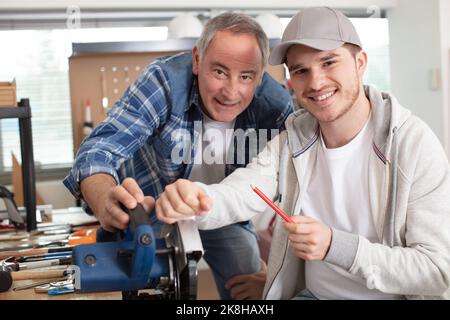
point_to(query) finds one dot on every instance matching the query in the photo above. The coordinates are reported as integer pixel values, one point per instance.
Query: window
(374, 35)
(38, 60)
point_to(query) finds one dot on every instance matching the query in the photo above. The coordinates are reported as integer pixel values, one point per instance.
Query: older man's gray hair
(237, 23)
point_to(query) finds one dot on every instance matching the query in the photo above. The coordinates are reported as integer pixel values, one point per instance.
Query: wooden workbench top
(30, 294)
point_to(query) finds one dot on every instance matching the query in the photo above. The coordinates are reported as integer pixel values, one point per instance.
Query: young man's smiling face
(326, 83)
(229, 72)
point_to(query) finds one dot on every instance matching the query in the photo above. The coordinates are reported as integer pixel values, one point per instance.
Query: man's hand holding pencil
(309, 239)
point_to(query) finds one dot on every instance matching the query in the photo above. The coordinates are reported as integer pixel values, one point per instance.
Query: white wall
(52, 192)
(55, 193)
(415, 51)
(444, 10)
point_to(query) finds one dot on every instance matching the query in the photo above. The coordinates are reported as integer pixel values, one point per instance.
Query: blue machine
(139, 261)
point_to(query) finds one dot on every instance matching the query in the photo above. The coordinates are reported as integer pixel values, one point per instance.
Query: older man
(178, 121)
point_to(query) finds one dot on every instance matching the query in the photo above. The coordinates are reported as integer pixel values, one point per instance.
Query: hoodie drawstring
(393, 198)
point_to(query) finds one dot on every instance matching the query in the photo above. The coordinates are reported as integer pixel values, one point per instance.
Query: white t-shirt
(211, 151)
(338, 195)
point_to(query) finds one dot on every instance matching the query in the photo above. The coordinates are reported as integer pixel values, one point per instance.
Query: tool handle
(7, 254)
(45, 263)
(31, 275)
(32, 252)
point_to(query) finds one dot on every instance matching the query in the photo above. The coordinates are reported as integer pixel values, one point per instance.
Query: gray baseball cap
(321, 28)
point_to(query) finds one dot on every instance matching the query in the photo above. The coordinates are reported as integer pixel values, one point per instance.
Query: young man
(367, 183)
(180, 109)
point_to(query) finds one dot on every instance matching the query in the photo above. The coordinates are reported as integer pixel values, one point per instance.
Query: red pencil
(272, 205)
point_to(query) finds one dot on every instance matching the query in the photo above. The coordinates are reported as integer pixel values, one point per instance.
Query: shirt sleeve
(133, 119)
(233, 198)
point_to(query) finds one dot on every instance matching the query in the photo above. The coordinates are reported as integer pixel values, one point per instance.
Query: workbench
(206, 291)
(29, 294)
(73, 216)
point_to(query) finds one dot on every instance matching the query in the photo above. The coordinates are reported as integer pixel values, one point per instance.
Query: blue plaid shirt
(137, 138)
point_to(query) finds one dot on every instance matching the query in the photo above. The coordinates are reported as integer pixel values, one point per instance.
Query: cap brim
(278, 54)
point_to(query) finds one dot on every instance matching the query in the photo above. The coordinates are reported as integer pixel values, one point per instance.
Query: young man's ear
(361, 62)
(195, 60)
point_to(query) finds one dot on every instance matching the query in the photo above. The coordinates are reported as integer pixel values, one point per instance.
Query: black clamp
(13, 212)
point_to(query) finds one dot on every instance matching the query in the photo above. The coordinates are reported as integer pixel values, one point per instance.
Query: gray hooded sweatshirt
(409, 186)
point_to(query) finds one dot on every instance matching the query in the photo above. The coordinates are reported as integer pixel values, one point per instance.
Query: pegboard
(102, 79)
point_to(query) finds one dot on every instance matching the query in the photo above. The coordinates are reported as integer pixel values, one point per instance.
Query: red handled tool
(85, 236)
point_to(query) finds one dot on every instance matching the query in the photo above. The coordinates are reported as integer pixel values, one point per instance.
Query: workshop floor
(206, 286)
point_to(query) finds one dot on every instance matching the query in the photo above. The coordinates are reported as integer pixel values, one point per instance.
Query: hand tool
(139, 261)
(36, 284)
(88, 125)
(52, 230)
(35, 242)
(42, 257)
(11, 265)
(51, 226)
(14, 236)
(68, 288)
(34, 245)
(6, 227)
(16, 246)
(57, 287)
(85, 236)
(105, 103)
(7, 278)
(32, 252)
(44, 238)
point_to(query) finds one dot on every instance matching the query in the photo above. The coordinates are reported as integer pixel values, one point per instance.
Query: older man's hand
(104, 198)
(248, 286)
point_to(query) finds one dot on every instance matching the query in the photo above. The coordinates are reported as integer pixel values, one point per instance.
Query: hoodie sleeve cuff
(343, 249)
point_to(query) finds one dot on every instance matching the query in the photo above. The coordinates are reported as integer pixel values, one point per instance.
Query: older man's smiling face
(228, 74)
